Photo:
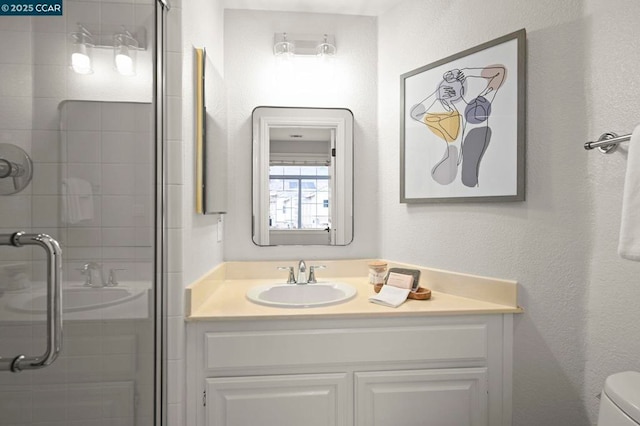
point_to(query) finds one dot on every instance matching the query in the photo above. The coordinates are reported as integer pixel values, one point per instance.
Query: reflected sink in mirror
(75, 299)
(301, 295)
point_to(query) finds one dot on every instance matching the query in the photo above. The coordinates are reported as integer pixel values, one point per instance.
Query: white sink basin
(301, 295)
(75, 299)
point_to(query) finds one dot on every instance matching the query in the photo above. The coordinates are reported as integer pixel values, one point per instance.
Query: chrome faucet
(302, 273)
(93, 274)
(303, 278)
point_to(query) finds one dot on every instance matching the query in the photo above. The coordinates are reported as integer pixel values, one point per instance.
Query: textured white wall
(580, 316)
(253, 80)
(613, 99)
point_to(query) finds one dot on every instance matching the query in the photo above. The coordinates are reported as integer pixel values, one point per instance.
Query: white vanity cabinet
(394, 371)
(422, 397)
(299, 399)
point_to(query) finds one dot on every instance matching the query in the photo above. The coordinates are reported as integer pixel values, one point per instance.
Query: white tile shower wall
(104, 369)
(98, 146)
(100, 377)
(108, 146)
(16, 112)
(174, 189)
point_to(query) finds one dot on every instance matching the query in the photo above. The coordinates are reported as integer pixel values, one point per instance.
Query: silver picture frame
(462, 125)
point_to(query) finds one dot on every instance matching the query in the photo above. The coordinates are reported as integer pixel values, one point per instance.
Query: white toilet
(620, 402)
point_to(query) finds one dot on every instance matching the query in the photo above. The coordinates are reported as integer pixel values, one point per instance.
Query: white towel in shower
(77, 201)
(629, 246)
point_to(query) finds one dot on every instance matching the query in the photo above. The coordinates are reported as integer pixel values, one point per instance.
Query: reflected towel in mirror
(77, 201)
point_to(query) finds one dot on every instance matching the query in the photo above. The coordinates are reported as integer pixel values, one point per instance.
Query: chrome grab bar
(54, 301)
(607, 143)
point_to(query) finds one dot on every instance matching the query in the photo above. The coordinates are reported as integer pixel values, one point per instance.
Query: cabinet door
(296, 400)
(447, 397)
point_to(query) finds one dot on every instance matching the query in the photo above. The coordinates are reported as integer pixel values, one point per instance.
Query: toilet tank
(620, 403)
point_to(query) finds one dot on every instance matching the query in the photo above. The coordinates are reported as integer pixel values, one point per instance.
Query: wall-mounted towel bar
(607, 143)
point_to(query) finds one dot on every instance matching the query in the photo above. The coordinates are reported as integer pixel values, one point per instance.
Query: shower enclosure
(81, 229)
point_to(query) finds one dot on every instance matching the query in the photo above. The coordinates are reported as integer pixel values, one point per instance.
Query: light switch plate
(220, 230)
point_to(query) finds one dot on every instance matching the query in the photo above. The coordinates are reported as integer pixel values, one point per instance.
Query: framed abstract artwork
(462, 126)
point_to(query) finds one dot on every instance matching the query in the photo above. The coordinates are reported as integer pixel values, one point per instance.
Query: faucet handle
(86, 270)
(87, 267)
(291, 279)
(312, 273)
(113, 277)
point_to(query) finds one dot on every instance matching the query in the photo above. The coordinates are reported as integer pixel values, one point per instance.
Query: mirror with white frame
(302, 176)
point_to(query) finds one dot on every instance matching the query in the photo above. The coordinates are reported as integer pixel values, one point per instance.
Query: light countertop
(221, 294)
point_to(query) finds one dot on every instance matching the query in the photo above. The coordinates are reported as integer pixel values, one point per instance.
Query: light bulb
(325, 49)
(124, 58)
(124, 63)
(80, 60)
(284, 48)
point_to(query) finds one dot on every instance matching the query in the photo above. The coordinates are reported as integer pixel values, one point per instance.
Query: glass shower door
(77, 164)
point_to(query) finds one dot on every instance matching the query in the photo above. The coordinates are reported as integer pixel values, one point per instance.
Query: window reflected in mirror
(299, 197)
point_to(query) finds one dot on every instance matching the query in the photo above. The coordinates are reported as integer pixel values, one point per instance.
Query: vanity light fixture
(81, 51)
(125, 46)
(289, 45)
(122, 42)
